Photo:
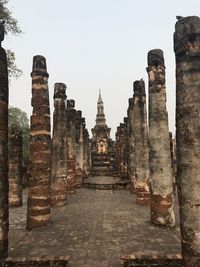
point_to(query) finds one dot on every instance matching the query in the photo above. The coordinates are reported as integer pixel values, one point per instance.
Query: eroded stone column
(71, 145)
(162, 199)
(3, 150)
(84, 145)
(117, 151)
(39, 186)
(131, 146)
(121, 150)
(187, 50)
(171, 142)
(125, 149)
(86, 164)
(15, 167)
(141, 144)
(79, 148)
(59, 148)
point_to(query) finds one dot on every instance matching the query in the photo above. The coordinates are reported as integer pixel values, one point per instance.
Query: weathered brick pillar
(15, 167)
(59, 148)
(162, 199)
(174, 161)
(121, 143)
(3, 150)
(187, 50)
(125, 148)
(79, 148)
(71, 145)
(141, 144)
(171, 142)
(86, 165)
(131, 146)
(39, 186)
(117, 151)
(85, 150)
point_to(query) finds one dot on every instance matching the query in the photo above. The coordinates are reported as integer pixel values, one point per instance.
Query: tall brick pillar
(141, 144)
(59, 148)
(39, 187)
(86, 153)
(117, 151)
(71, 145)
(3, 150)
(125, 149)
(187, 51)
(162, 199)
(79, 148)
(121, 150)
(15, 167)
(85, 136)
(131, 146)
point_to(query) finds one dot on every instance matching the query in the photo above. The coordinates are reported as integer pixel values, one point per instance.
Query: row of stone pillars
(159, 173)
(151, 158)
(59, 165)
(148, 151)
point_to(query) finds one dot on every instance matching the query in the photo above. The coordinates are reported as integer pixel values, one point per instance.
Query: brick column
(162, 199)
(86, 153)
(39, 187)
(71, 145)
(141, 144)
(3, 150)
(15, 167)
(59, 148)
(131, 146)
(79, 148)
(187, 51)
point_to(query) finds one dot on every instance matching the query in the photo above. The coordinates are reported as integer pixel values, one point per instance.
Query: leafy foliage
(18, 119)
(11, 26)
(13, 71)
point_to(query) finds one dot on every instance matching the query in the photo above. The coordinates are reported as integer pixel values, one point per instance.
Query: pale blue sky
(92, 44)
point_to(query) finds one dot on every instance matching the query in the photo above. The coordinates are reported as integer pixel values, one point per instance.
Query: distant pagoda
(102, 153)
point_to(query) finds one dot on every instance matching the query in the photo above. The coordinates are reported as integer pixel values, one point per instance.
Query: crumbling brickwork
(59, 148)
(15, 167)
(71, 145)
(79, 148)
(162, 198)
(141, 144)
(39, 187)
(187, 51)
(131, 145)
(121, 150)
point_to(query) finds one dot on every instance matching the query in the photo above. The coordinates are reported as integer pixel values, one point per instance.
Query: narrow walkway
(94, 229)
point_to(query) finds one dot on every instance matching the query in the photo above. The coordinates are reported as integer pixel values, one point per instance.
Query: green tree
(18, 119)
(11, 26)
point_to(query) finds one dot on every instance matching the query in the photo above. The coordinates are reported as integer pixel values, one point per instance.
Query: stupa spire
(100, 98)
(100, 118)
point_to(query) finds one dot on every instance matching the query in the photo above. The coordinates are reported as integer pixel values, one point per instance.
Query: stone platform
(97, 228)
(105, 182)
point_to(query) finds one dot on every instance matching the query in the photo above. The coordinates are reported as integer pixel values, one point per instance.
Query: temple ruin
(94, 201)
(102, 146)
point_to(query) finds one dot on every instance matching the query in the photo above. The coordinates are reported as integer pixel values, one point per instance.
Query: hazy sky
(92, 44)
